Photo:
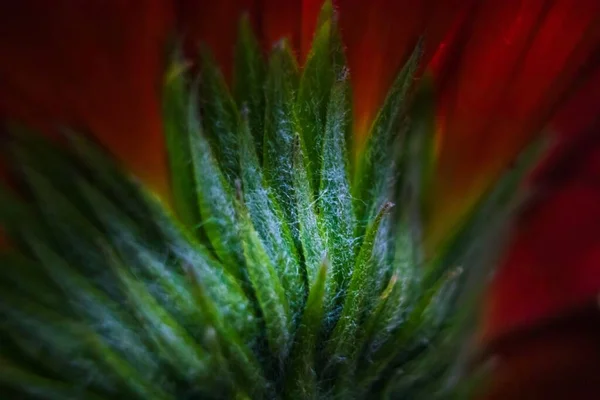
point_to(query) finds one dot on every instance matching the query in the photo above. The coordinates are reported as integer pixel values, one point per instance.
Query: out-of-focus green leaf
(219, 116)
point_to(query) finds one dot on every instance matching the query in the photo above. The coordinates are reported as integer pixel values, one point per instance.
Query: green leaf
(249, 79)
(269, 222)
(73, 233)
(145, 388)
(335, 200)
(420, 158)
(176, 131)
(481, 235)
(302, 377)
(268, 289)
(280, 128)
(311, 237)
(93, 306)
(46, 337)
(215, 199)
(39, 386)
(169, 287)
(342, 346)
(167, 237)
(220, 116)
(398, 303)
(434, 307)
(25, 275)
(192, 258)
(114, 182)
(318, 75)
(226, 291)
(237, 356)
(171, 340)
(376, 173)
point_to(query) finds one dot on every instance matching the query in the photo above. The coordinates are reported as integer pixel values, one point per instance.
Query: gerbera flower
(228, 230)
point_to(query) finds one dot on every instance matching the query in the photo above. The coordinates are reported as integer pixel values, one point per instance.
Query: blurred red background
(505, 70)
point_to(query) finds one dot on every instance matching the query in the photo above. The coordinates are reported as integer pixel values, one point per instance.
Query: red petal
(555, 262)
(91, 64)
(379, 36)
(518, 61)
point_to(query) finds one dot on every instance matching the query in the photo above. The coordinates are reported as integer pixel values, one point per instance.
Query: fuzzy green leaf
(342, 345)
(280, 128)
(175, 109)
(311, 237)
(318, 75)
(302, 376)
(376, 171)
(419, 158)
(335, 200)
(433, 306)
(268, 221)
(171, 340)
(268, 289)
(168, 287)
(215, 198)
(249, 77)
(396, 305)
(46, 336)
(133, 238)
(237, 356)
(220, 116)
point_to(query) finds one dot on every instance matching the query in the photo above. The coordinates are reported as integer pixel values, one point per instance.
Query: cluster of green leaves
(286, 272)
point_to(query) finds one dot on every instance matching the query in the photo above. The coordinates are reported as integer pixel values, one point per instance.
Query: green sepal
(311, 237)
(171, 340)
(36, 385)
(92, 307)
(248, 81)
(268, 220)
(343, 348)
(219, 116)
(302, 379)
(336, 210)
(280, 128)
(318, 75)
(235, 355)
(376, 171)
(215, 197)
(268, 288)
(415, 332)
(478, 237)
(40, 333)
(176, 126)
